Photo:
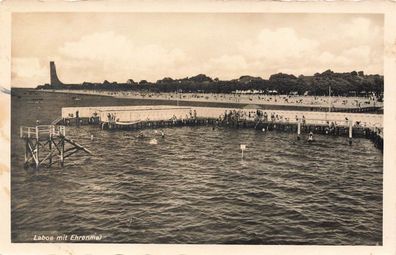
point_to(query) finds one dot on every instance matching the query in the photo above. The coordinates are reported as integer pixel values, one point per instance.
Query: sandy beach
(282, 100)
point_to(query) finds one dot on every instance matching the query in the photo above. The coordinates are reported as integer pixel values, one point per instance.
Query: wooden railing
(42, 131)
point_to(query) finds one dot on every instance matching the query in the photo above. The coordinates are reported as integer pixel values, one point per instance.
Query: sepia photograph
(202, 128)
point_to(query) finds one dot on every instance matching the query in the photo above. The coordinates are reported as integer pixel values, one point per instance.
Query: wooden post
(298, 130)
(350, 132)
(37, 145)
(26, 151)
(50, 148)
(62, 151)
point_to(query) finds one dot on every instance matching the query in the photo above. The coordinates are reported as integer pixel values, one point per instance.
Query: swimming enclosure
(159, 116)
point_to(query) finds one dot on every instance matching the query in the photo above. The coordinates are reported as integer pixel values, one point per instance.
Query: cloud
(362, 31)
(28, 70)
(285, 50)
(356, 58)
(116, 54)
(227, 65)
(273, 45)
(268, 52)
(353, 43)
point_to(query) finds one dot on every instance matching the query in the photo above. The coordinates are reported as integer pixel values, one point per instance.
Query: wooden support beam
(31, 146)
(29, 159)
(70, 149)
(72, 142)
(26, 151)
(45, 158)
(57, 145)
(50, 148)
(71, 153)
(37, 151)
(32, 151)
(62, 150)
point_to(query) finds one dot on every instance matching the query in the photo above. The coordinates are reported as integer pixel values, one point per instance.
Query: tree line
(342, 84)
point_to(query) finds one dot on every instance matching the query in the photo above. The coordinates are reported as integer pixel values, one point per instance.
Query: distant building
(55, 82)
(249, 91)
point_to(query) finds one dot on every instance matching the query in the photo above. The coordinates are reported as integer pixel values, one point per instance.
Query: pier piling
(298, 130)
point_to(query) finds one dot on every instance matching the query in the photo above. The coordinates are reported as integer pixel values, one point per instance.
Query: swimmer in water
(162, 134)
(310, 137)
(140, 135)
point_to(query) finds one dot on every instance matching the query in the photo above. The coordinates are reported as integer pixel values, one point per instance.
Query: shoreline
(298, 102)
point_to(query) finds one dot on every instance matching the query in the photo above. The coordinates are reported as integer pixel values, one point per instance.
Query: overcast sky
(119, 46)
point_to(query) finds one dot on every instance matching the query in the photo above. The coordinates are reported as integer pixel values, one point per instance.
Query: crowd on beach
(347, 102)
(296, 100)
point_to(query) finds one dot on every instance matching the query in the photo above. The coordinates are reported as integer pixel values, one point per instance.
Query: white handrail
(50, 130)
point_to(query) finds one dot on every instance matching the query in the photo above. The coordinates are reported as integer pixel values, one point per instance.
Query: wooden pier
(46, 145)
(349, 125)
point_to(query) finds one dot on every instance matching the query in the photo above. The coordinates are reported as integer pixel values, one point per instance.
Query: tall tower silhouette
(55, 82)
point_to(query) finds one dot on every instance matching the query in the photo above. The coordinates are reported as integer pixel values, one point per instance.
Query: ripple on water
(193, 187)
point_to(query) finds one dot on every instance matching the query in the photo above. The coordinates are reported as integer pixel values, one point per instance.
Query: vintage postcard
(205, 127)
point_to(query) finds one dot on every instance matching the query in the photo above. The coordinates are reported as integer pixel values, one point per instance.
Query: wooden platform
(46, 145)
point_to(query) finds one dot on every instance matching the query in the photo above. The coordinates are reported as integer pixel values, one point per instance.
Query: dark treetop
(342, 84)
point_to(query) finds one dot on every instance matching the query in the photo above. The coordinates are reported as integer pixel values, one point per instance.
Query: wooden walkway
(125, 114)
(140, 117)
